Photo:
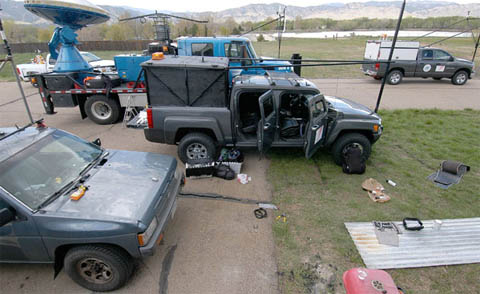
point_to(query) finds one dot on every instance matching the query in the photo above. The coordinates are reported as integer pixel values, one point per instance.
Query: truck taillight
(377, 66)
(18, 71)
(149, 118)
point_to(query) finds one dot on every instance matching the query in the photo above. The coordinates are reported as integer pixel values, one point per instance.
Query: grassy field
(313, 246)
(348, 49)
(344, 49)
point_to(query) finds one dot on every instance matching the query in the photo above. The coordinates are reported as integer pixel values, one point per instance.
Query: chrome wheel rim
(94, 270)
(197, 151)
(101, 110)
(461, 78)
(395, 78)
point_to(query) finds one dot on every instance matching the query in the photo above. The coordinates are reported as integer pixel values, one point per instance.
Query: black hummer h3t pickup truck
(191, 104)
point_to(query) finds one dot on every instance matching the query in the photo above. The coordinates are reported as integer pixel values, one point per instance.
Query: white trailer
(380, 50)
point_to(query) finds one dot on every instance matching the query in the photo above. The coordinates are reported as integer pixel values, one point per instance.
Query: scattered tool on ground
(268, 206)
(199, 169)
(391, 183)
(375, 190)
(387, 233)
(243, 178)
(283, 216)
(260, 213)
(412, 224)
(450, 172)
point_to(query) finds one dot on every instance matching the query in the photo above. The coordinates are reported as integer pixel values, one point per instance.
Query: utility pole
(394, 41)
(9, 58)
(476, 46)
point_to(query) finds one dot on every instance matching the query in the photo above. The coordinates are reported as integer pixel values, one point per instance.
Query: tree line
(135, 30)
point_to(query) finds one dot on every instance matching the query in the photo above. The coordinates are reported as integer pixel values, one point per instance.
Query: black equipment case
(187, 81)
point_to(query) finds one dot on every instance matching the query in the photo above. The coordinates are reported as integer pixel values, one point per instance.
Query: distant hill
(257, 12)
(372, 9)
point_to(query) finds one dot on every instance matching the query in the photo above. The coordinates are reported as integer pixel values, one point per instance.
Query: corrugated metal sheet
(457, 242)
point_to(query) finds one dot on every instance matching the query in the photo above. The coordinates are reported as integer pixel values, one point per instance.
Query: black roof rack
(21, 129)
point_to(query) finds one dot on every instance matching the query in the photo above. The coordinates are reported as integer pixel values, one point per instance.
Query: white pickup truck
(39, 66)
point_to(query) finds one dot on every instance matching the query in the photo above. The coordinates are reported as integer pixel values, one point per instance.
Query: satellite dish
(69, 15)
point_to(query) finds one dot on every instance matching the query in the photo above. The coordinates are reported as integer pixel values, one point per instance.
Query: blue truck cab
(239, 51)
(232, 48)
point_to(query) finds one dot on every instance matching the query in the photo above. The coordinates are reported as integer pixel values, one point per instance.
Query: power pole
(394, 41)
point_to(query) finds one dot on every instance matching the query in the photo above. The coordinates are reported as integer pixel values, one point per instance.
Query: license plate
(174, 208)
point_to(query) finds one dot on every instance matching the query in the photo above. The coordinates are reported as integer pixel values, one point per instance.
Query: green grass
(6, 75)
(347, 49)
(314, 246)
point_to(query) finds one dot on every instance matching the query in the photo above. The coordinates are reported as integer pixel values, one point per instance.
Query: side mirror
(6, 216)
(97, 142)
(451, 58)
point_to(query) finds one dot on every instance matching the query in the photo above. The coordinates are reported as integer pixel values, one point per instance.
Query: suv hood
(350, 108)
(127, 188)
(464, 60)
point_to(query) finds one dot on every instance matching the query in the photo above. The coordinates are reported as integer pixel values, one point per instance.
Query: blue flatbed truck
(105, 105)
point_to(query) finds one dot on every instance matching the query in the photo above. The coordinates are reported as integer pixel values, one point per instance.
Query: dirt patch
(320, 277)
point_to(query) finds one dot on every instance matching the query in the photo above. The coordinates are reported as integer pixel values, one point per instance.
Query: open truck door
(267, 124)
(317, 126)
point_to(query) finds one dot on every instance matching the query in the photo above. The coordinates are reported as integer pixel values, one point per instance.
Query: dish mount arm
(65, 35)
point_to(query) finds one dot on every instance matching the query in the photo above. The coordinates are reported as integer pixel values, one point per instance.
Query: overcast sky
(217, 5)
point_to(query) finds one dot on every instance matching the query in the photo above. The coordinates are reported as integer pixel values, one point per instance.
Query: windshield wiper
(94, 162)
(81, 176)
(55, 195)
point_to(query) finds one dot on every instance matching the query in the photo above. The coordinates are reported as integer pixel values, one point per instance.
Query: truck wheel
(102, 110)
(346, 141)
(196, 146)
(98, 268)
(394, 77)
(460, 78)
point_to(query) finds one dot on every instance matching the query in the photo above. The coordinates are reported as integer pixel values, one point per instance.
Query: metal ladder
(130, 111)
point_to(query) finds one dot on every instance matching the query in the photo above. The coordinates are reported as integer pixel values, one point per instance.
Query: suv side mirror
(6, 216)
(97, 142)
(451, 58)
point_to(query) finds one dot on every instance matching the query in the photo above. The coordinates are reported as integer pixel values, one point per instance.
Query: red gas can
(367, 281)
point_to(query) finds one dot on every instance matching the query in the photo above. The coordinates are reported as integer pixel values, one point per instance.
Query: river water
(345, 34)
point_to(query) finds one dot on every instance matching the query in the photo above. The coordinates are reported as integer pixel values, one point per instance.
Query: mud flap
(45, 95)
(81, 104)
(57, 266)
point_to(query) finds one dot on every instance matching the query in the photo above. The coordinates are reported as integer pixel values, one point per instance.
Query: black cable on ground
(220, 197)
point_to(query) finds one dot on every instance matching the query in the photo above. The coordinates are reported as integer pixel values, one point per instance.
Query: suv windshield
(37, 172)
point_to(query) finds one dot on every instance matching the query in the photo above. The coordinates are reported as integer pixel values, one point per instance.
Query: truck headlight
(144, 237)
